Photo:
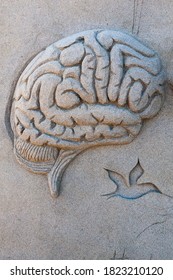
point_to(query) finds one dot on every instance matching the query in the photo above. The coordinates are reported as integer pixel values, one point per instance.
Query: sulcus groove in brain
(93, 88)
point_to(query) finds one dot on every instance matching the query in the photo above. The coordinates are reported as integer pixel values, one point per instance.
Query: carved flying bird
(134, 190)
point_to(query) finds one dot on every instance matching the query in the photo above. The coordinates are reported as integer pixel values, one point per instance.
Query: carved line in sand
(93, 88)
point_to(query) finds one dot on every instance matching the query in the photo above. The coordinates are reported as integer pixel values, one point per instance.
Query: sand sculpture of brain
(93, 88)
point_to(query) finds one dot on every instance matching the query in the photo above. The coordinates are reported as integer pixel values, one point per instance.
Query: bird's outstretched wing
(135, 174)
(118, 180)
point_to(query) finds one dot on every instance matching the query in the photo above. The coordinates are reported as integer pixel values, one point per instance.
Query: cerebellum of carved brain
(93, 88)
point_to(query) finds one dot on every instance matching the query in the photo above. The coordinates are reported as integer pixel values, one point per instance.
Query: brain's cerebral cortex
(93, 88)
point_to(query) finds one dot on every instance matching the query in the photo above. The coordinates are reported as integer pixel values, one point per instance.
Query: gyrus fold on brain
(93, 88)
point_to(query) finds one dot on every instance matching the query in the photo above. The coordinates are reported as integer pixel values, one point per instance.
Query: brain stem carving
(93, 88)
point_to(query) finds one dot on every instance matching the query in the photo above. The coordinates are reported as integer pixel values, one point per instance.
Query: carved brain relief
(93, 88)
